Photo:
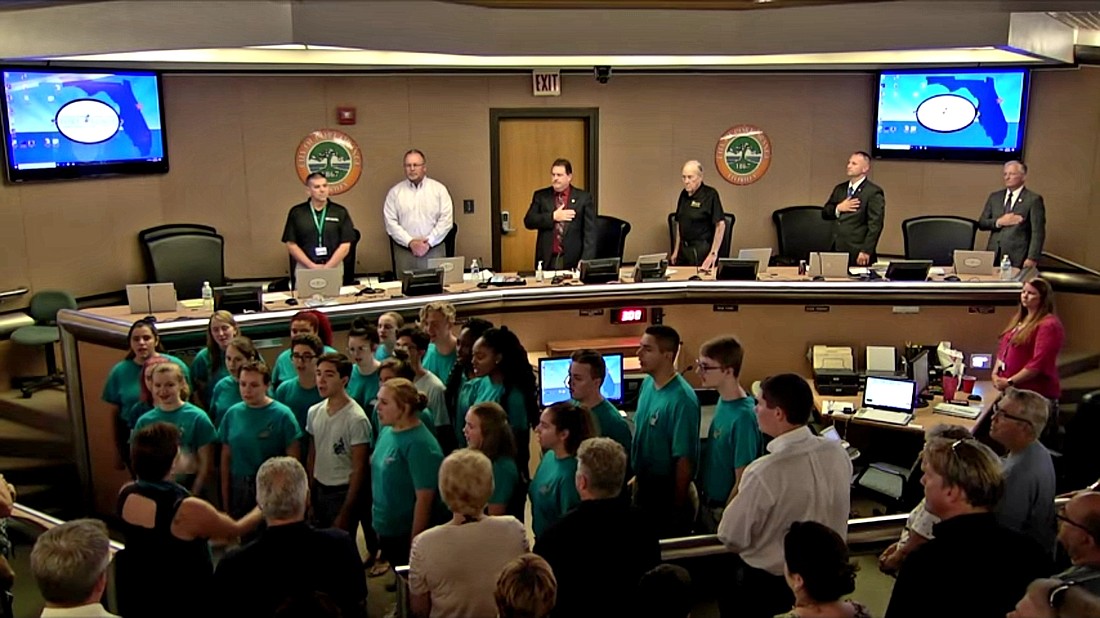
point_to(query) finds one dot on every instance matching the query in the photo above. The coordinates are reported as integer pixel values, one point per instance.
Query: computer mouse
(292, 301)
(817, 278)
(366, 291)
(695, 278)
(975, 398)
(557, 280)
(951, 278)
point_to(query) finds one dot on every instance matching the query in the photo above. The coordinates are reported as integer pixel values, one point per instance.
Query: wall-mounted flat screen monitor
(72, 123)
(553, 373)
(951, 114)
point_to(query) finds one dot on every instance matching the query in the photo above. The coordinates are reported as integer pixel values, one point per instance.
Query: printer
(834, 370)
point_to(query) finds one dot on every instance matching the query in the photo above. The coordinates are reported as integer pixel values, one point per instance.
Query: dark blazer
(579, 238)
(1019, 242)
(857, 231)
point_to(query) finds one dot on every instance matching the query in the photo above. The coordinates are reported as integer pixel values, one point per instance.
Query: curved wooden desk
(776, 319)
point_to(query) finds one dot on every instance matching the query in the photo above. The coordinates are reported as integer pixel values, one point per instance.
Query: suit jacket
(1019, 242)
(579, 238)
(857, 231)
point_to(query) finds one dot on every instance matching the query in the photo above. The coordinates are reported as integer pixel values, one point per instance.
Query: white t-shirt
(436, 392)
(333, 436)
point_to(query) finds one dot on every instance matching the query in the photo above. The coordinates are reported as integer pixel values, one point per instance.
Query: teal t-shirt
(505, 480)
(257, 434)
(123, 388)
(227, 393)
(482, 389)
(382, 353)
(666, 428)
(426, 419)
(733, 441)
(553, 491)
(611, 424)
(439, 364)
(298, 399)
(403, 463)
(200, 368)
(196, 430)
(364, 388)
(284, 367)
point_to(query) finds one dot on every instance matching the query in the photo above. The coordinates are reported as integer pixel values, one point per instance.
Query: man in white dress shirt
(69, 563)
(802, 478)
(418, 214)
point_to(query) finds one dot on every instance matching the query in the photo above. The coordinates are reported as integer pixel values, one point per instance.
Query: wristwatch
(1058, 593)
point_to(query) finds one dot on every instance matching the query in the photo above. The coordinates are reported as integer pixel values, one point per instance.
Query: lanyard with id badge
(319, 222)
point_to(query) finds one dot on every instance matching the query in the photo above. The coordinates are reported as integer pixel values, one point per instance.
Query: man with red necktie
(565, 218)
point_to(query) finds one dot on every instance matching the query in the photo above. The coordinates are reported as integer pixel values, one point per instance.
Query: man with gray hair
(69, 563)
(603, 544)
(1028, 505)
(290, 559)
(1015, 219)
(700, 221)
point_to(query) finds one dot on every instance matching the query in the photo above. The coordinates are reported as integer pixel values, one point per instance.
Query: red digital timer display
(629, 315)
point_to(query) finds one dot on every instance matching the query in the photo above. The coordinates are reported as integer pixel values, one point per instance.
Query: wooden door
(528, 146)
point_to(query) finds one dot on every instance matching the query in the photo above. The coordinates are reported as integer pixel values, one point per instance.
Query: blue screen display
(67, 124)
(952, 114)
(553, 373)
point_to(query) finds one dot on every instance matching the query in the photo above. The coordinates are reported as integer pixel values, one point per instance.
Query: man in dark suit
(857, 209)
(1015, 219)
(565, 218)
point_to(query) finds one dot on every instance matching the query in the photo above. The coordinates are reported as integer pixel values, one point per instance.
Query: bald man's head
(1079, 528)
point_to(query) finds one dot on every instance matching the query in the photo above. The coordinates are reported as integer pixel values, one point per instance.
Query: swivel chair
(611, 237)
(44, 333)
(937, 237)
(800, 231)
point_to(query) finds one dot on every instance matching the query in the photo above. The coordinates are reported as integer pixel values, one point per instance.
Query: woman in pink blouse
(1027, 356)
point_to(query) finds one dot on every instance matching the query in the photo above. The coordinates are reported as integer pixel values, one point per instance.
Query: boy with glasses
(301, 393)
(733, 440)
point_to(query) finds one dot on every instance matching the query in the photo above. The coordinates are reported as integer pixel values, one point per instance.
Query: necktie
(851, 190)
(559, 226)
(1008, 201)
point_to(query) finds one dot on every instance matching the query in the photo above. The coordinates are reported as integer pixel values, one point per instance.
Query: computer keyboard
(884, 416)
(953, 409)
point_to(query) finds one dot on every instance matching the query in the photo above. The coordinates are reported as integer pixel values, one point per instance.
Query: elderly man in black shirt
(700, 221)
(600, 549)
(290, 559)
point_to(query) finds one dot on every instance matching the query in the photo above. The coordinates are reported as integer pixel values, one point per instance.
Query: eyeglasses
(414, 165)
(702, 367)
(957, 443)
(303, 357)
(997, 411)
(1061, 515)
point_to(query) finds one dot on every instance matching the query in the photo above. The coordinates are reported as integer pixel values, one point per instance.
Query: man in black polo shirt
(318, 232)
(700, 222)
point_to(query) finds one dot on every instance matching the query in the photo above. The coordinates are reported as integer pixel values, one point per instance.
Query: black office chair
(449, 241)
(155, 233)
(800, 231)
(727, 236)
(44, 333)
(349, 260)
(187, 259)
(611, 237)
(937, 237)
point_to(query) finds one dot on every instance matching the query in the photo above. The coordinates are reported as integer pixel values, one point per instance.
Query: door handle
(506, 222)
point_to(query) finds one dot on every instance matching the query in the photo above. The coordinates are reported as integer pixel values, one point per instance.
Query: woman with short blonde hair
(526, 588)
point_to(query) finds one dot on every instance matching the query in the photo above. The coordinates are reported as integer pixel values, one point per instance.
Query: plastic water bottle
(538, 272)
(475, 272)
(207, 297)
(1006, 269)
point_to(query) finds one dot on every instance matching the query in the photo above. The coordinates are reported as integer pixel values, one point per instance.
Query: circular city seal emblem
(332, 153)
(743, 154)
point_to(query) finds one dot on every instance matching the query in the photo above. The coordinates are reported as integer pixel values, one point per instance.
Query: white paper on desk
(881, 358)
(937, 270)
(276, 297)
(856, 271)
(832, 357)
(348, 290)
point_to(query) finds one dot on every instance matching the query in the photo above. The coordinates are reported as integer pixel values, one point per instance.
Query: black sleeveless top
(159, 574)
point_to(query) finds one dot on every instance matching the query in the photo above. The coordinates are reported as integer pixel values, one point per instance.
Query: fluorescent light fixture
(302, 54)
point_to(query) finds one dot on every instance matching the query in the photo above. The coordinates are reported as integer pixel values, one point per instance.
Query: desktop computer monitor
(918, 373)
(553, 373)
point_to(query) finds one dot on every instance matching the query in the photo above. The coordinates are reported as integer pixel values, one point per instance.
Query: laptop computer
(145, 298)
(888, 400)
(829, 265)
(973, 262)
(318, 286)
(452, 268)
(908, 270)
(730, 269)
(763, 256)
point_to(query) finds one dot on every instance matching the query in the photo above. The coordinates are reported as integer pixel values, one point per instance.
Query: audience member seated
(415, 344)
(1079, 533)
(733, 440)
(666, 440)
(664, 592)
(362, 345)
(462, 372)
(918, 527)
(487, 430)
(503, 374)
(818, 573)
(561, 429)
(122, 390)
(601, 548)
(526, 588)
(1054, 598)
(802, 478)
(388, 325)
(166, 532)
(227, 392)
(195, 466)
(1028, 505)
(290, 558)
(253, 431)
(307, 322)
(974, 566)
(453, 568)
(1027, 355)
(299, 391)
(69, 564)
(587, 373)
(437, 318)
(405, 470)
(208, 367)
